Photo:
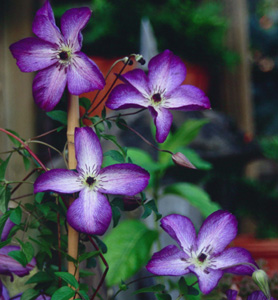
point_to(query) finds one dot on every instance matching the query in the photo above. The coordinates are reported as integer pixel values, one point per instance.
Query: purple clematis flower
(205, 255)
(4, 295)
(160, 92)
(91, 212)
(257, 295)
(57, 54)
(9, 266)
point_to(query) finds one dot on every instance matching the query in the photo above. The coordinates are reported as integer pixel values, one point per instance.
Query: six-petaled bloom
(205, 255)
(91, 212)
(58, 57)
(160, 92)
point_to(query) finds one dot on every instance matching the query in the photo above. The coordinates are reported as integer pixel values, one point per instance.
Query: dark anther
(90, 180)
(156, 97)
(63, 55)
(202, 257)
(130, 62)
(142, 61)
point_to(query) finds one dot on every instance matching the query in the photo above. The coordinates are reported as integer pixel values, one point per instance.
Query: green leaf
(151, 289)
(5, 195)
(63, 293)
(68, 278)
(150, 207)
(195, 196)
(192, 291)
(116, 215)
(85, 273)
(143, 159)
(121, 123)
(3, 244)
(183, 288)
(29, 294)
(115, 155)
(85, 102)
(39, 197)
(83, 294)
(28, 250)
(19, 256)
(88, 255)
(26, 162)
(58, 115)
(163, 297)
(3, 168)
(39, 278)
(16, 215)
(130, 244)
(3, 220)
(15, 142)
(113, 139)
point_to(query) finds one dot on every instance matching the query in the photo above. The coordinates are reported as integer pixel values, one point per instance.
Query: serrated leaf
(29, 294)
(19, 256)
(3, 168)
(88, 255)
(16, 215)
(195, 196)
(39, 278)
(58, 115)
(63, 293)
(85, 102)
(115, 155)
(151, 289)
(68, 278)
(131, 243)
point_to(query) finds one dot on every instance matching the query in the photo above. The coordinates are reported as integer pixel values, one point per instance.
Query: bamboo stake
(73, 122)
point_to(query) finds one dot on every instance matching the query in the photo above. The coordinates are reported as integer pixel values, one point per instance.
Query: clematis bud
(261, 279)
(180, 160)
(131, 203)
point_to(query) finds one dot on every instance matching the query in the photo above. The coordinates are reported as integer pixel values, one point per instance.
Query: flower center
(202, 257)
(90, 180)
(63, 55)
(156, 98)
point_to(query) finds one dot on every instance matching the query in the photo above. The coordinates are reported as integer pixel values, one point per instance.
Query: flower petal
(163, 121)
(231, 294)
(44, 25)
(168, 261)
(72, 22)
(217, 231)
(6, 230)
(33, 54)
(182, 230)
(48, 87)
(90, 213)
(8, 265)
(4, 295)
(121, 178)
(84, 75)
(207, 280)
(138, 79)
(166, 71)
(126, 96)
(233, 256)
(87, 150)
(258, 295)
(58, 180)
(186, 97)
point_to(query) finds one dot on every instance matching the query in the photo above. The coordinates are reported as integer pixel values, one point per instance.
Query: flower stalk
(73, 122)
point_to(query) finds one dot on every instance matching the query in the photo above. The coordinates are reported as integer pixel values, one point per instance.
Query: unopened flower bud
(180, 160)
(261, 279)
(131, 203)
